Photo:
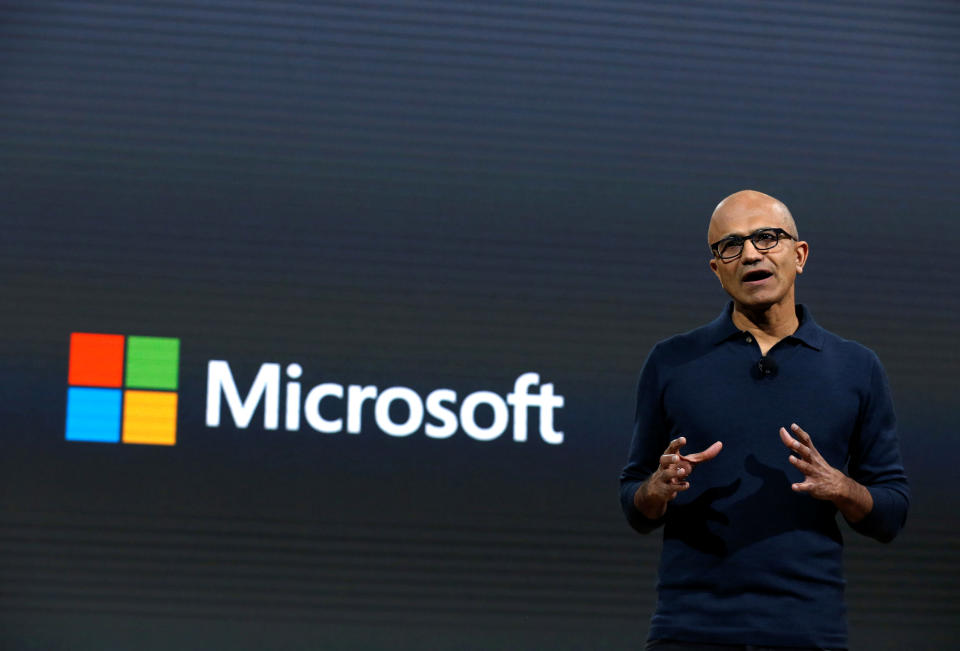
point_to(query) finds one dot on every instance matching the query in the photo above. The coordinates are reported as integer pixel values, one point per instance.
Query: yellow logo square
(150, 417)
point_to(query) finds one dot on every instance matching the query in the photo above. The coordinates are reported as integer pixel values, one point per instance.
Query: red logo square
(96, 360)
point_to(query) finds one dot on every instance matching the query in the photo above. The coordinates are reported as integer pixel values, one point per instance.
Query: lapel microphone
(767, 367)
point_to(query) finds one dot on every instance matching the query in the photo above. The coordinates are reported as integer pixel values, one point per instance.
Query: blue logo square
(93, 415)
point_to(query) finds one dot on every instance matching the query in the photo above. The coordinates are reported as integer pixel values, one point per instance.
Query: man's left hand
(823, 481)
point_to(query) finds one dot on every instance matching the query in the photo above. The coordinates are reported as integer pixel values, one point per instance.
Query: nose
(750, 253)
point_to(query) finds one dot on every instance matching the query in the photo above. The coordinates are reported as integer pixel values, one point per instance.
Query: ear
(715, 269)
(802, 250)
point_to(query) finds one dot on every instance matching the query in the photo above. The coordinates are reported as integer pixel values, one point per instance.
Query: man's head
(758, 277)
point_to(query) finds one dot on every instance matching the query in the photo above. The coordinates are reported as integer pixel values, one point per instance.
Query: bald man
(750, 434)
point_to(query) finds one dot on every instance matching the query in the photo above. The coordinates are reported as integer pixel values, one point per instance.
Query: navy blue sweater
(745, 559)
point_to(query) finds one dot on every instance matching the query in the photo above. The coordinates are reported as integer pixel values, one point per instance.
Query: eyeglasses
(763, 239)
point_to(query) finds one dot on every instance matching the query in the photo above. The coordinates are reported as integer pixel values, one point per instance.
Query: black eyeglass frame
(741, 240)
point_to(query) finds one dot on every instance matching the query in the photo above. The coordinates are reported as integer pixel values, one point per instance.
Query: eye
(765, 237)
(729, 245)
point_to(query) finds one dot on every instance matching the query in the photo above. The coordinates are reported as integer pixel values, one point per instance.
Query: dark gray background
(441, 194)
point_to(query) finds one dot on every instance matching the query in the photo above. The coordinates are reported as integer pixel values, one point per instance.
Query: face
(757, 279)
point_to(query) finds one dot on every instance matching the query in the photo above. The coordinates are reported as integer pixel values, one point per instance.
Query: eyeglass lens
(762, 239)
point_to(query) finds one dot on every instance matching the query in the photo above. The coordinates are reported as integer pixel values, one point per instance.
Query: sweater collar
(808, 333)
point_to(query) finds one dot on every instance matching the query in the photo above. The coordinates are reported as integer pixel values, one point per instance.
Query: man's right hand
(670, 478)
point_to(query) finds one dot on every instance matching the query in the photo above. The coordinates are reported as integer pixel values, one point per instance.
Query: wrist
(853, 500)
(651, 505)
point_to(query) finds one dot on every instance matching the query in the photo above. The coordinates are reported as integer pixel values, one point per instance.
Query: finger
(794, 445)
(672, 474)
(668, 460)
(810, 451)
(706, 455)
(804, 487)
(802, 435)
(788, 440)
(803, 466)
(675, 445)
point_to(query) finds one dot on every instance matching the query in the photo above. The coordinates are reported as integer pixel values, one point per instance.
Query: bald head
(749, 203)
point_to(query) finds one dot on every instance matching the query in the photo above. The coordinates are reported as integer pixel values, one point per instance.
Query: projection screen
(356, 296)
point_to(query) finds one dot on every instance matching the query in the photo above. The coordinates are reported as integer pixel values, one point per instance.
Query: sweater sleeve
(875, 461)
(649, 440)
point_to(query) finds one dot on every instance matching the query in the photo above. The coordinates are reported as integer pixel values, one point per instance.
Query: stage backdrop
(378, 279)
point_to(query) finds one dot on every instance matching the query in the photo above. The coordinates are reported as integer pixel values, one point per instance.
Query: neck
(771, 321)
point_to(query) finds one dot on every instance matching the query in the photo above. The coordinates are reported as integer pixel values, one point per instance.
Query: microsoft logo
(122, 388)
(125, 389)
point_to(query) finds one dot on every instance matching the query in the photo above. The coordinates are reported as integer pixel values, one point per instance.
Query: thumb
(706, 455)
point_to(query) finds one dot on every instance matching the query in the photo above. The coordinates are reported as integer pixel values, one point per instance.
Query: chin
(759, 301)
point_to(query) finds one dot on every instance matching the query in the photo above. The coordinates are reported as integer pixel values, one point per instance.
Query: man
(777, 407)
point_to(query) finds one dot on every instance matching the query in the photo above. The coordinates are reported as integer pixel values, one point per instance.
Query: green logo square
(152, 362)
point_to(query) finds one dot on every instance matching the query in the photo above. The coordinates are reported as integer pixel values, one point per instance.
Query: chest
(725, 397)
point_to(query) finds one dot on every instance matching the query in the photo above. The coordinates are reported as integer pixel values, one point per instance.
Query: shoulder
(851, 356)
(683, 347)
(850, 348)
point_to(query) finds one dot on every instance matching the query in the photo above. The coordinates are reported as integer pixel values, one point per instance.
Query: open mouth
(756, 276)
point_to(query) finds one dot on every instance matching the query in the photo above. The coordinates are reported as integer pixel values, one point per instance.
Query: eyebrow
(762, 228)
